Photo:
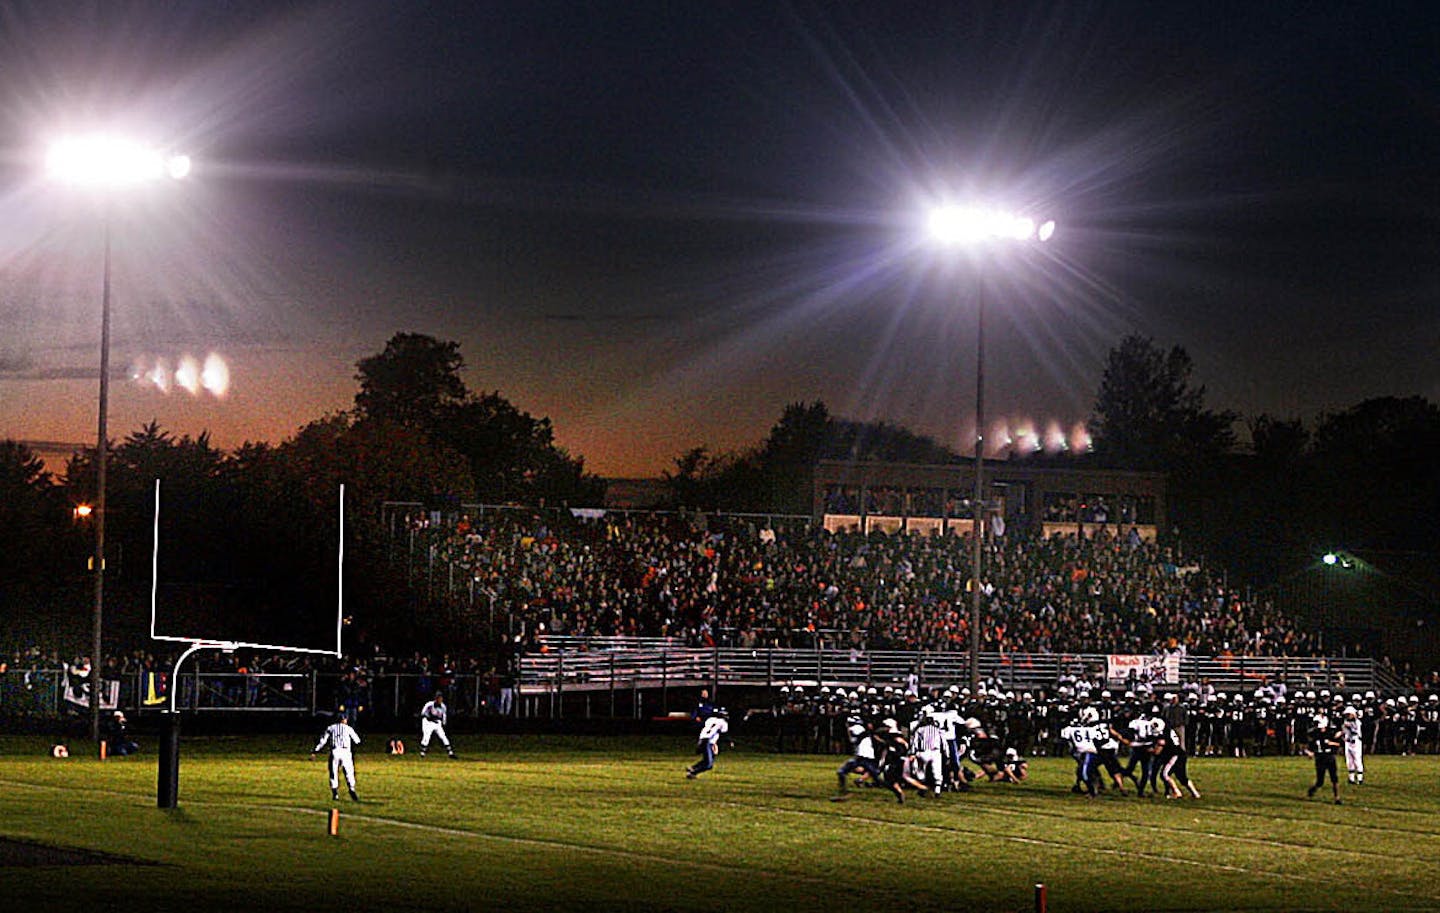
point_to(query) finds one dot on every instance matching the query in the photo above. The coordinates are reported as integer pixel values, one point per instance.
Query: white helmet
(1089, 715)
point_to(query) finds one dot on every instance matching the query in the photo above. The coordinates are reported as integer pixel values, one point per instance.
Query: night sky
(657, 224)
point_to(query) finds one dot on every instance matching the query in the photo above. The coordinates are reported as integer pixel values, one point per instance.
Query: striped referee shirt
(340, 736)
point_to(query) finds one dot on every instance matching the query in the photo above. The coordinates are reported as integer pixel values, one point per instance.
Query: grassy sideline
(542, 823)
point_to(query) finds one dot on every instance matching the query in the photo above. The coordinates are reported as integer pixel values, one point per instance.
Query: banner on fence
(1145, 669)
(77, 690)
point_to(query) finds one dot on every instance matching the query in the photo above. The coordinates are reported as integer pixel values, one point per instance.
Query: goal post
(168, 775)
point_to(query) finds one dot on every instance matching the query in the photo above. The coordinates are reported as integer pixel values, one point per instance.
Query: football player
(433, 717)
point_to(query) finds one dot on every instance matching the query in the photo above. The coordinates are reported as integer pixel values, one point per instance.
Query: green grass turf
(544, 823)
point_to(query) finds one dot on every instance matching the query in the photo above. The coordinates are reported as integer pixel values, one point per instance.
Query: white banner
(1148, 670)
(77, 692)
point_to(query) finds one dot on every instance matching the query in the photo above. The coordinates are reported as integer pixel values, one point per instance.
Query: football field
(551, 822)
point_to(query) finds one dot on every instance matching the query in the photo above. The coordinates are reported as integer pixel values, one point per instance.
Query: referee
(1321, 742)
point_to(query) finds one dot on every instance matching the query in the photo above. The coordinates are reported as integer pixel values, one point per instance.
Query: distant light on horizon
(215, 376)
(189, 375)
(1021, 436)
(159, 375)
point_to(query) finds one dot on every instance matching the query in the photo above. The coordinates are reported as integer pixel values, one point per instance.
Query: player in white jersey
(1351, 735)
(862, 757)
(342, 739)
(716, 726)
(433, 717)
(1081, 736)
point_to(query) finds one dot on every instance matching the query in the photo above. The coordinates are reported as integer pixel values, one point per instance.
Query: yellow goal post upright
(167, 790)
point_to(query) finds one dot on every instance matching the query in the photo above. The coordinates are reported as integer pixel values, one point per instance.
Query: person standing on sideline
(717, 725)
(342, 739)
(1321, 743)
(1350, 734)
(433, 717)
(703, 708)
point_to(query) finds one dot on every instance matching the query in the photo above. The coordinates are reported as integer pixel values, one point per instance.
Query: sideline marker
(1040, 898)
(334, 822)
(104, 749)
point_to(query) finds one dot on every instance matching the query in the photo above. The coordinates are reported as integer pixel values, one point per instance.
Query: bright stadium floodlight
(110, 164)
(968, 225)
(102, 160)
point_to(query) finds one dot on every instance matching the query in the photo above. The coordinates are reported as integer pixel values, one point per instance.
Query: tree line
(1363, 479)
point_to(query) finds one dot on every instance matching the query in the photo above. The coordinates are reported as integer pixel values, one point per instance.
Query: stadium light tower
(108, 164)
(973, 226)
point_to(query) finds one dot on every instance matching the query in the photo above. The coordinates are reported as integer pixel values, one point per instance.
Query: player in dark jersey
(1320, 744)
(1014, 769)
(893, 759)
(1172, 762)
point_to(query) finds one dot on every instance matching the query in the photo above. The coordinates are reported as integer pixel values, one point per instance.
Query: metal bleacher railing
(580, 664)
(633, 676)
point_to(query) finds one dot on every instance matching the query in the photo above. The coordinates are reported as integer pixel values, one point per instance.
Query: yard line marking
(1084, 847)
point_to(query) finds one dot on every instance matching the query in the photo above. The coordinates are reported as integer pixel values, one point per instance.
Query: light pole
(968, 226)
(108, 163)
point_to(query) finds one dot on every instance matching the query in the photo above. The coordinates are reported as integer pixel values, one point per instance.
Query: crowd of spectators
(740, 582)
(751, 582)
